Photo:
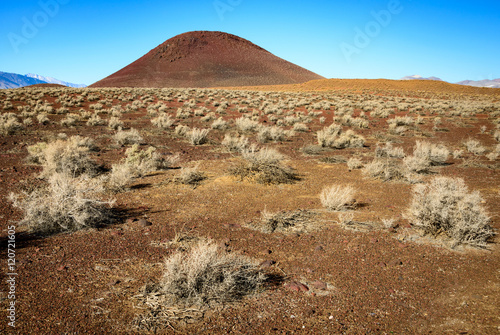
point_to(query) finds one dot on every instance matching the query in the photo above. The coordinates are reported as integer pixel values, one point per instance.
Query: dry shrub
(436, 154)
(9, 124)
(126, 137)
(275, 134)
(219, 124)
(245, 124)
(203, 277)
(65, 204)
(445, 205)
(197, 136)
(235, 143)
(354, 163)
(182, 130)
(474, 146)
(338, 197)
(389, 151)
(142, 162)
(208, 275)
(164, 121)
(284, 221)
(334, 137)
(264, 166)
(94, 120)
(384, 169)
(190, 176)
(120, 176)
(70, 157)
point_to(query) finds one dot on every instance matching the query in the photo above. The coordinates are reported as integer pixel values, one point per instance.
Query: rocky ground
(328, 278)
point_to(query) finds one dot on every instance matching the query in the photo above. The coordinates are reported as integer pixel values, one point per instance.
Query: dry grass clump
(208, 275)
(163, 121)
(425, 155)
(334, 137)
(386, 170)
(264, 166)
(219, 124)
(284, 221)
(115, 123)
(70, 157)
(354, 163)
(245, 124)
(338, 197)
(445, 205)
(42, 118)
(474, 146)
(127, 137)
(389, 151)
(197, 136)
(436, 154)
(65, 204)
(205, 276)
(137, 164)
(120, 177)
(235, 143)
(190, 176)
(94, 120)
(275, 134)
(9, 124)
(142, 162)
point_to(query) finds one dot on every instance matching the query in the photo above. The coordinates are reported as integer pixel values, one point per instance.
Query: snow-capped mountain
(51, 80)
(495, 83)
(417, 77)
(14, 80)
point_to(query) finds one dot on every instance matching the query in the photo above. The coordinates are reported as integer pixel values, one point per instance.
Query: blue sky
(87, 40)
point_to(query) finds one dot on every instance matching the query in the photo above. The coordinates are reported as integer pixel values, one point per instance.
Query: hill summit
(207, 59)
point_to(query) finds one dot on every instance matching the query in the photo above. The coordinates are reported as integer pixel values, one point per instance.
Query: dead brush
(71, 157)
(64, 204)
(205, 276)
(264, 166)
(338, 197)
(190, 176)
(284, 222)
(445, 205)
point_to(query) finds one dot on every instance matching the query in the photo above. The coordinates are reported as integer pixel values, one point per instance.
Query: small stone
(319, 285)
(144, 223)
(319, 248)
(310, 312)
(267, 264)
(296, 286)
(395, 262)
(114, 282)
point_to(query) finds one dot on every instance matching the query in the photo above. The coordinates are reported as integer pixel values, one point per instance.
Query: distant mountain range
(495, 83)
(417, 77)
(14, 80)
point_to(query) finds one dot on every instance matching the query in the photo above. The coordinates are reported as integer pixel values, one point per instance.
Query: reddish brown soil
(207, 59)
(45, 85)
(378, 281)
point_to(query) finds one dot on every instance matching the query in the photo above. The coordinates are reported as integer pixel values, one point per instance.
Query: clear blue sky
(82, 41)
